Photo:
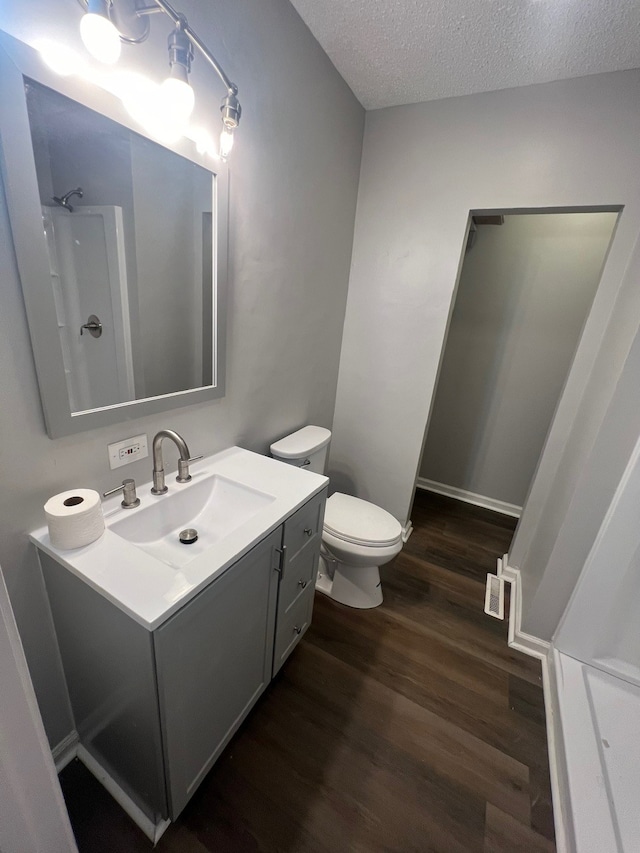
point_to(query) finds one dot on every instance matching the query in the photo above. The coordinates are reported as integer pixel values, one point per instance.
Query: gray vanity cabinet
(154, 709)
(213, 661)
(301, 539)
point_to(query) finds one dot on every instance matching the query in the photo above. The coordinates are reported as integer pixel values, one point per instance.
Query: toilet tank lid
(301, 443)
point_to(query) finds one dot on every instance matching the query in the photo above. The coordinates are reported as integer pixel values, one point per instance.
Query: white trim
(153, 831)
(65, 751)
(542, 650)
(70, 748)
(469, 497)
(519, 639)
(407, 530)
(557, 761)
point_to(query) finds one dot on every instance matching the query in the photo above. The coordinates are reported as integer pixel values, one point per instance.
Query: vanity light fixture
(99, 34)
(107, 23)
(231, 111)
(177, 93)
(226, 142)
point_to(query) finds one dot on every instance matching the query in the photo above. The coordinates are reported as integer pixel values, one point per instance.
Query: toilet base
(355, 586)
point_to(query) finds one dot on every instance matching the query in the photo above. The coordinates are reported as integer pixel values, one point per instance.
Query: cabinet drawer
(304, 525)
(292, 626)
(299, 574)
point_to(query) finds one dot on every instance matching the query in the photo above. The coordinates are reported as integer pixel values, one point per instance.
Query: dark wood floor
(412, 727)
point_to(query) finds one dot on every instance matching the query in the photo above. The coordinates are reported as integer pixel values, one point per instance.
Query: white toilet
(357, 537)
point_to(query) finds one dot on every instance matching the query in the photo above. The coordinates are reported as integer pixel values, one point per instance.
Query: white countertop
(148, 589)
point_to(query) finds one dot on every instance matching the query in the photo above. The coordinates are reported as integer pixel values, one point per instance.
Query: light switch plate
(128, 450)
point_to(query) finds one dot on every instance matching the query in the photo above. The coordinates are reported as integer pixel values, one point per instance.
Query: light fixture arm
(180, 21)
(128, 21)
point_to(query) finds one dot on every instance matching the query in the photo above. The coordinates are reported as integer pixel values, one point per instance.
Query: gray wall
(525, 290)
(601, 623)
(294, 180)
(598, 479)
(425, 166)
(551, 550)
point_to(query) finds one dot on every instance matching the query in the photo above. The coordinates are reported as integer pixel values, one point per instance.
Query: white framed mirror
(121, 245)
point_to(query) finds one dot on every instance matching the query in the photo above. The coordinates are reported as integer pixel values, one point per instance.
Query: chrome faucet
(159, 487)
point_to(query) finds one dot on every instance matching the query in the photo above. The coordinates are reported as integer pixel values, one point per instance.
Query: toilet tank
(306, 448)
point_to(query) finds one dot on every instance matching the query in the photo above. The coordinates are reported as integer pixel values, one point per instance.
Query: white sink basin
(214, 507)
(235, 498)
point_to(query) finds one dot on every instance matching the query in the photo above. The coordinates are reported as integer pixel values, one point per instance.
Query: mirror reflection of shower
(63, 200)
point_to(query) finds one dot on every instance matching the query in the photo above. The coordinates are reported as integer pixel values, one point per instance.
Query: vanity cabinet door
(213, 660)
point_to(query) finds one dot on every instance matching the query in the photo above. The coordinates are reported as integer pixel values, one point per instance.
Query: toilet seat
(360, 522)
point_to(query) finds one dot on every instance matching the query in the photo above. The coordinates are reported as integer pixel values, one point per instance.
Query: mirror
(121, 247)
(127, 224)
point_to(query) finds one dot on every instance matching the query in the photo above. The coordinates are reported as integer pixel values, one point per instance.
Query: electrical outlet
(129, 450)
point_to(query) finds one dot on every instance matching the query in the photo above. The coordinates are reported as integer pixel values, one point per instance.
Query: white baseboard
(557, 759)
(65, 751)
(70, 748)
(519, 639)
(153, 831)
(407, 530)
(542, 650)
(469, 497)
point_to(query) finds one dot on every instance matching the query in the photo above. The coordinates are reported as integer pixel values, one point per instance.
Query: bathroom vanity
(166, 647)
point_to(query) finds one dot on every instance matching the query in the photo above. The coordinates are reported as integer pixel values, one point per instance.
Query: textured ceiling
(403, 51)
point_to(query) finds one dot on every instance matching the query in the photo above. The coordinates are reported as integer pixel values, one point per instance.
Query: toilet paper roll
(74, 518)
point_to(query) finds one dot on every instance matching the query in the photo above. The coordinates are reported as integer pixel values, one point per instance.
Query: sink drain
(188, 536)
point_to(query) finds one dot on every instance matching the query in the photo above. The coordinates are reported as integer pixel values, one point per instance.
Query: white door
(32, 812)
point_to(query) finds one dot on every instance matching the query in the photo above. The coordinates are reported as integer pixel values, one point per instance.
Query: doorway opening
(525, 290)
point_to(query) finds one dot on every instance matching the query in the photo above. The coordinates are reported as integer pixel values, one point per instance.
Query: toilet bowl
(357, 537)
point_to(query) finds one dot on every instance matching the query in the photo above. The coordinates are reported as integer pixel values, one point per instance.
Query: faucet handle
(183, 468)
(128, 489)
